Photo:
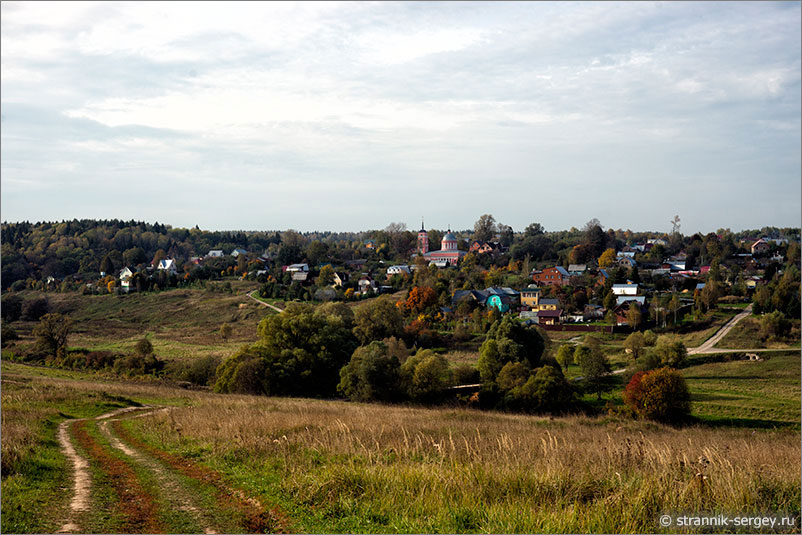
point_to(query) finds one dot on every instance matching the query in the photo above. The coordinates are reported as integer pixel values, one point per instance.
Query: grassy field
(331, 466)
(180, 323)
(747, 394)
(746, 335)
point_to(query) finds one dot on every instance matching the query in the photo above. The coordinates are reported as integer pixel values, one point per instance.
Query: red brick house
(551, 276)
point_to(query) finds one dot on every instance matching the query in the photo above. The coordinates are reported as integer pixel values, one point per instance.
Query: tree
(426, 375)
(671, 353)
(565, 355)
(225, 331)
(52, 333)
(660, 395)
(377, 320)
(326, 276)
(761, 300)
(485, 228)
(106, 265)
(373, 373)
(634, 344)
(513, 374)
(607, 258)
(143, 347)
(634, 316)
(595, 369)
(420, 298)
(11, 308)
(533, 229)
(774, 325)
(546, 390)
(134, 256)
(34, 309)
(509, 341)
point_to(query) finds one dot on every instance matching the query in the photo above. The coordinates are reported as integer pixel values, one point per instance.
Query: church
(448, 253)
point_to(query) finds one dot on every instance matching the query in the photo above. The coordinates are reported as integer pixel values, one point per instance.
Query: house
(125, 278)
(592, 312)
(761, 246)
(549, 304)
(168, 265)
(625, 289)
(297, 268)
(676, 263)
(530, 297)
(236, 252)
(366, 285)
(548, 317)
(340, 279)
(397, 270)
(299, 276)
(370, 244)
(481, 247)
(502, 299)
(657, 241)
(551, 276)
(627, 262)
(640, 299)
(576, 270)
(621, 310)
(215, 253)
(476, 296)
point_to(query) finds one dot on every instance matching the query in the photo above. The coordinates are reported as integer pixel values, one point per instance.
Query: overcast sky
(349, 116)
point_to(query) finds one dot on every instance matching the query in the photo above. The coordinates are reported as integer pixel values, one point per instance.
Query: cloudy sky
(348, 116)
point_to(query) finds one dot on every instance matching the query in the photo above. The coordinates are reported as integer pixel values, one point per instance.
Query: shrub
(634, 344)
(200, 371)
(671, 353)
(774, 325)
(138, 364)
(11, 307)
(465, 374)
(660, 395)
(512, 375)
(242, 373)
(546, 390)
(143, 347)
(8, 333)
(34, 309)
(649, 338)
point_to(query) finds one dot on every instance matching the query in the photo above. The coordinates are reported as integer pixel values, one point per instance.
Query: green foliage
(512, 375)
(465, 374)
(8, 333)
(372, 374)
(225, 331)
(143, 347)
(565, 355)
(138, 364)
(242, 373)
(200, 371)
(377, 320)
(635, 343)
(774, 325)
(425, 376)
(52, 333)
(509, 341)
(660, 395)
(595, 369)
(649, 338)
(672, 353)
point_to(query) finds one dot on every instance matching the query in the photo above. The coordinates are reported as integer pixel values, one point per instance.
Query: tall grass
(356, 467)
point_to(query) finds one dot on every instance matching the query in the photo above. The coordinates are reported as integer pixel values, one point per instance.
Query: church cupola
(449, 242)
(423, 239)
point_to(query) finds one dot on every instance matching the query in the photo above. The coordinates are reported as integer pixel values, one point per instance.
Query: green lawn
(747, 394)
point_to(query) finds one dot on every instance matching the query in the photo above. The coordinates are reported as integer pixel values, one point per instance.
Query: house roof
(577, 267)
(641, 299)
(549, 313)
(625, 286)
(562, 271)
(549, 301)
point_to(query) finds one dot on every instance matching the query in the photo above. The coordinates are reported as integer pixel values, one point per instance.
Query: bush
(565, 355)
(425, 376)
(11, 307)
(774, 325)
(372, 374)
(143, 347)
(137, 364)
(509, 341)
(546, 390)
(671, 353)
(8, 333)
(660, 395)
(199, 371)
(242, 373)
(512, 375)
(465, 374)
(34, 309)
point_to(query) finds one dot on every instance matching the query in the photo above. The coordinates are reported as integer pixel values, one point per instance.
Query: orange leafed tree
(420, 298)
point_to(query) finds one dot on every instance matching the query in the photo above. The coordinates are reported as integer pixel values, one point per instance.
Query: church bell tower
(423, 239)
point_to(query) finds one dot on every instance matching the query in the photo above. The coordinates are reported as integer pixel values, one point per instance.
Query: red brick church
(448, 253)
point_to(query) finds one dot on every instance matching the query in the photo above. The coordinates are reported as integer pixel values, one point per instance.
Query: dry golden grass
(423, 469)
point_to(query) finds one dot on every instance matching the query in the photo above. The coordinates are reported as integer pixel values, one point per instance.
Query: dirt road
(708, 345)
(124, 485)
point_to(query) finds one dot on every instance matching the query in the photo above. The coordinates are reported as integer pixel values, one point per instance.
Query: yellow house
(530, 297)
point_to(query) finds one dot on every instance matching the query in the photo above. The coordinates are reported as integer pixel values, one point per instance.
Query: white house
(215, 253)
(296, 268)
(395, 270)
(366, 284)
(125, 279)
(168, 264)
(236, 252)
(625, 289)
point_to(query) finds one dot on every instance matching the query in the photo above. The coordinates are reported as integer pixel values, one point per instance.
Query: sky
(350, 116)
